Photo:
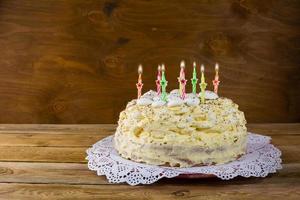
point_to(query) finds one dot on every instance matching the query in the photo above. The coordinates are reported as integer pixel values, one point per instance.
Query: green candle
(194, 79)
(163, 83)
(202, 85)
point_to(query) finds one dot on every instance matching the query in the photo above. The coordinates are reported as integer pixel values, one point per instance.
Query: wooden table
(48, 162)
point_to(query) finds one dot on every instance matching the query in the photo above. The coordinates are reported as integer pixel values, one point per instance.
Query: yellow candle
(202, 85)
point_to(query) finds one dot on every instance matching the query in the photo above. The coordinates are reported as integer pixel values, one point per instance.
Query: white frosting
(158, 103)
(144, 101)
(173, 99)
(131, 103)
(192, 101)
(174, 94)
(191, 96)
(157, 98)
(210, 95)
(176, 91)
(150, 94)
(175, 102)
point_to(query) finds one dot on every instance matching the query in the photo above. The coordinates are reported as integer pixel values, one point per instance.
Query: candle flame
(217, 67)
(140, 69)
(182, 64)
(202, 68)
(159, 68)
(194, 64)
(163, 67)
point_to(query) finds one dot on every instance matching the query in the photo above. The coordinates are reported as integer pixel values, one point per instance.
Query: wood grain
(46, 154)
(60, 173)
(51, 165)
(65, 61)
(232, 191)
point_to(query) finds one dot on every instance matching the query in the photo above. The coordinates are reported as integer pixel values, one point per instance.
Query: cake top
(207, 124)
(173, 99)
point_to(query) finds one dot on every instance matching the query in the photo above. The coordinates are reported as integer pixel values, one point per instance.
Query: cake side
(178, 133)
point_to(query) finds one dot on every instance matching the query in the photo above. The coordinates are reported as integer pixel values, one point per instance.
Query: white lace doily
(260, 159)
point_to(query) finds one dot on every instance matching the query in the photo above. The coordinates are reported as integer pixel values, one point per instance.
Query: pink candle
(216, 81)
(139, 84)
(182, 81)
(158, 86)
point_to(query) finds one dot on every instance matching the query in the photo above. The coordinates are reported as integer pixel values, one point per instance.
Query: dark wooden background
(75, 61)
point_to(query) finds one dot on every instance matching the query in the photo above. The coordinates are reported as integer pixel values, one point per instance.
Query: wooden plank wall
(75, 61)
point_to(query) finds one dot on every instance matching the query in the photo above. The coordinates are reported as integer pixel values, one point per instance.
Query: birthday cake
(181, 129)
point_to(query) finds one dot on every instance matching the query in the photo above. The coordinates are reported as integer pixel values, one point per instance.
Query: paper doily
(261, 158)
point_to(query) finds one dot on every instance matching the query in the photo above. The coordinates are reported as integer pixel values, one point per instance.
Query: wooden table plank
(69, 173)
(275, 129)
(73, 173)
(43, 154)
(48, 162)
(49, 139)
(57, 128)
(190, 191)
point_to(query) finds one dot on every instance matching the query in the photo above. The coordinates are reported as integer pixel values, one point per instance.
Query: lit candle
(158, 86)
(163, 83)
(182, 81)
(194, 79)
(139, 84)
(202, 85)
(216, 81)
